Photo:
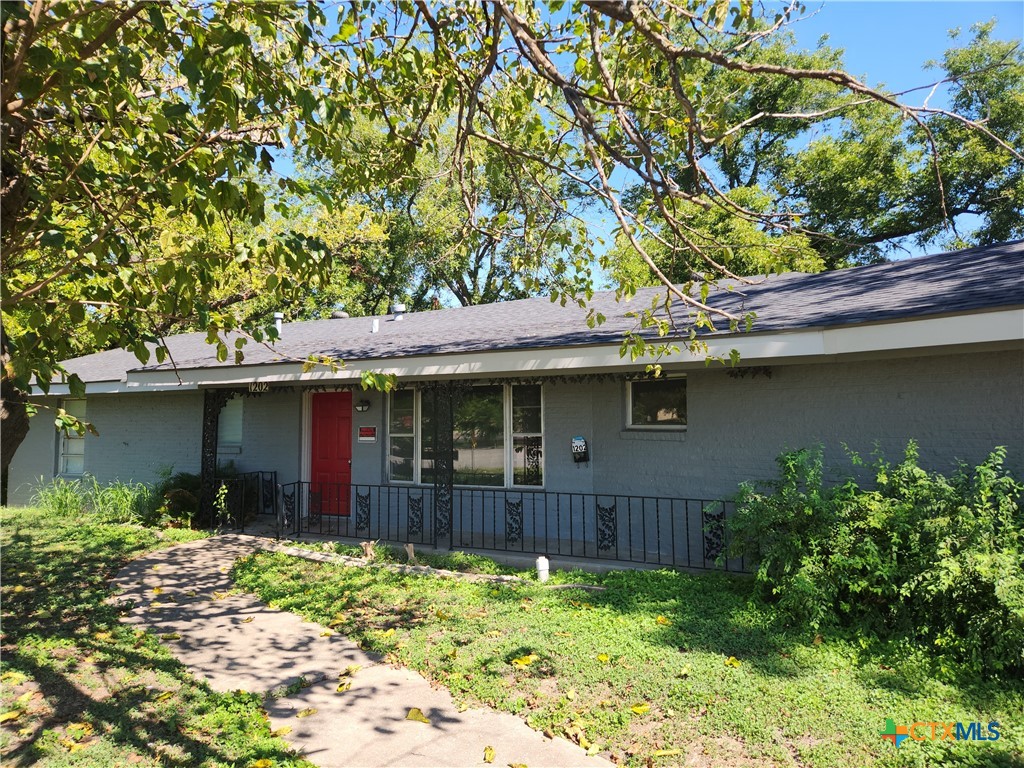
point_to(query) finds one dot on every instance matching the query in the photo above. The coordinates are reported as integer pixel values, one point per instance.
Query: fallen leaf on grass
(6, 717)
(263, 762)
(220, 595)
(247, 620)
(337, 621)
(165, 696)
(664, 621)
(593, 750)
(494, 633)
(344, 685)
(79, 730)
(171, 636)
(416, 714)
(488, 754)
(103, 636)
(733, 662)
(71, 746)
(442, 615)
(666, 752)
(350, 670)
(604, 658)
(640, 709)
(284, 730)
(13, 678)
(563, 634)
(158, 590)
(525, 661)
(326, 633)
(388, 632)
(306, 712)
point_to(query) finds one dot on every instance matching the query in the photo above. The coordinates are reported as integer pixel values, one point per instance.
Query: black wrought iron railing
(242, 498)
(673, 532)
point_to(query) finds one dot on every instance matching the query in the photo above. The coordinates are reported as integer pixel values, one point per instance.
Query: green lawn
(79, 688)
(659, 662)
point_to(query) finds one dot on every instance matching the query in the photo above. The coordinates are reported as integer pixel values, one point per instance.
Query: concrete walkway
(237, 642)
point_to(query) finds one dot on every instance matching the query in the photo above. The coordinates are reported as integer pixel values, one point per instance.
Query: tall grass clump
(116, 502)
(60, 497)
(121, 502)
(936, 558)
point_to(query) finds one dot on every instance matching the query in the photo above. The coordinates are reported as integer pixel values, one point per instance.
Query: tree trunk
(13, 417)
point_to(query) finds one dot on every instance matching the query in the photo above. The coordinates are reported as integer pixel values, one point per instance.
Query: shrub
(178, 496)
(934, 557)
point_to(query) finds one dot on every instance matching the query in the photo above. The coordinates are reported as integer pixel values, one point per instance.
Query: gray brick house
(518, 422)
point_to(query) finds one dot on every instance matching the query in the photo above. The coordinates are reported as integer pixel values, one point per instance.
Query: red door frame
(330, 453)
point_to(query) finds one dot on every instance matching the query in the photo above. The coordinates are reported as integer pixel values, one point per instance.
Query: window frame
(416, 438)
(507, 441)
(65, 436)
(233, 447)
(656, 427)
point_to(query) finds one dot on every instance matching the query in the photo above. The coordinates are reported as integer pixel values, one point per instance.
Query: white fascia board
(117, 387)
(952, 330)
(804, 345)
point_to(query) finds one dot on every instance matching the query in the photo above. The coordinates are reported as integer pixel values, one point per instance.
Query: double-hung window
(496, 441)
(72, 444)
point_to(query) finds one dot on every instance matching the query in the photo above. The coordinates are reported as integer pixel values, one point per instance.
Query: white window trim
(507, 436)
(630, 426)
(415, 441)
(62, 453)
(510, 474)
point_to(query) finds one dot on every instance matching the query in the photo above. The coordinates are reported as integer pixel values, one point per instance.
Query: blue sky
(888, 42)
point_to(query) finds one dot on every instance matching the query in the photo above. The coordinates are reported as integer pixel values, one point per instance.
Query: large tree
(115, 114)
(116, 117)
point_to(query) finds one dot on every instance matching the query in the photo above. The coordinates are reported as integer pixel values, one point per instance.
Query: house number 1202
(259, 386)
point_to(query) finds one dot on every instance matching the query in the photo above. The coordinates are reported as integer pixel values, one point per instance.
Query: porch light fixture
(363, 406)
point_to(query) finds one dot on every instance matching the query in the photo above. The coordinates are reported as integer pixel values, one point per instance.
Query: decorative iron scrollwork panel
(513, 521)
(607, 527)
(362, 511)
(415, 515)
(714, 532)
(288, 503)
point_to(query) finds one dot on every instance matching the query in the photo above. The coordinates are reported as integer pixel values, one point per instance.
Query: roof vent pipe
(279, 322)
(399, 310)
(375, 325)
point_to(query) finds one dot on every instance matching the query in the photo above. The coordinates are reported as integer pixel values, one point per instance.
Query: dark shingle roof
(975, 279)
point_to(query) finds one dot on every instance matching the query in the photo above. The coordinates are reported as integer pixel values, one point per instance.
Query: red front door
(331, 453)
